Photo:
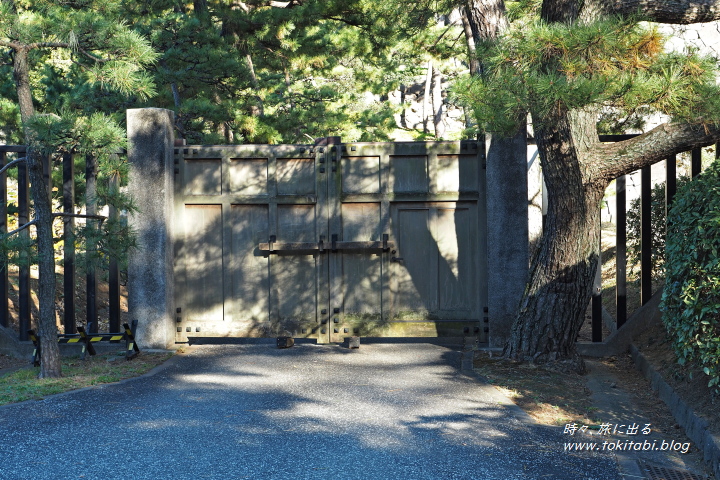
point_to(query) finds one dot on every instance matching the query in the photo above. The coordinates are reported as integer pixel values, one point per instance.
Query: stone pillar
(507, 232)
(150, 271)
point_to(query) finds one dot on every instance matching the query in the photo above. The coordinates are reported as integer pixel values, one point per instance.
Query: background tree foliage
(617, 63)
(286, 72)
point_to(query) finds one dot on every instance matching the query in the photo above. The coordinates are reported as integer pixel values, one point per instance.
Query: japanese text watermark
(637, 443)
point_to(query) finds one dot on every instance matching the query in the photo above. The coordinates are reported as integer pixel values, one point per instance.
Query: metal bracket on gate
(302, 247)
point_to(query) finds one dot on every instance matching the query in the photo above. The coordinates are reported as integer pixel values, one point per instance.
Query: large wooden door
(328, 241)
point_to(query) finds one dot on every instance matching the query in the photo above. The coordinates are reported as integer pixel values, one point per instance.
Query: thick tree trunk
(21, 75)
(561, 278)
(470, 42)
(50, 366)
(662, 11)
(486, 18)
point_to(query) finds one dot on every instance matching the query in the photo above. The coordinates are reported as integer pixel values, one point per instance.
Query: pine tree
(106, 55)
(563, 64)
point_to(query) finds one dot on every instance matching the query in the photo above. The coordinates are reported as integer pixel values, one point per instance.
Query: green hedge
(691, 299)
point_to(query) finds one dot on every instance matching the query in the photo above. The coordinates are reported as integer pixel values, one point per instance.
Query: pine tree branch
(679, 12)
(13, 45)
(32, 46)
(20, 229)
(620, 158)
(78, 215)
(92, 56)
(14, 162)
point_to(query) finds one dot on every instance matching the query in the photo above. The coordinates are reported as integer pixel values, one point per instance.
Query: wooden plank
(203, 176)
(364, 245)
(457, 173)
(361, 271)
(13, 148)
(621, 251)
(295, 176)
(414, 272)
(670, 181)
(288, 246)
(696, 162)
(249, 176)
(315, 246)
(249, 270)
(203, 257)
(454, 234)
(114, 271)
(645, 235)
(409, 173)
(361, 175)
(295, 276)
(296, 224)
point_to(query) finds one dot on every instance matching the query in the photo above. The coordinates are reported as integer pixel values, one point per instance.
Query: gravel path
(310, 412)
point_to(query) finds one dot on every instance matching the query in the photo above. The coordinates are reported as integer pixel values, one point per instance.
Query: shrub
(691, 298)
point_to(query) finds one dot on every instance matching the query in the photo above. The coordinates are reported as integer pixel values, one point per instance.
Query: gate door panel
(229, 201)
(427, 201)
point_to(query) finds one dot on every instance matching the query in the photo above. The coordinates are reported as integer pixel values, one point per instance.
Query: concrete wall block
(697, 428)
(711, 452)
(151, 184)
(655, 381)
(640, 362)
(673, 400)
(665, 393)
(681, 414)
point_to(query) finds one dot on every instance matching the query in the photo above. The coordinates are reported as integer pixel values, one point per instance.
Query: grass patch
(24, 385)
(551, 398)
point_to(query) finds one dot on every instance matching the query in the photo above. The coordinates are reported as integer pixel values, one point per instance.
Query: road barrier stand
(86, 341)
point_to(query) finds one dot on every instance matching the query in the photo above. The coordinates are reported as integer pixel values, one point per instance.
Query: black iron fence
(69, 203)
(621, 290)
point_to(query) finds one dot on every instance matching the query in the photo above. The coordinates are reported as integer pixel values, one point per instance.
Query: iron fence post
(621, 251)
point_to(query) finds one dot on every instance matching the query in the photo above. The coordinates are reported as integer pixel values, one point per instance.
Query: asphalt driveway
(385, 411)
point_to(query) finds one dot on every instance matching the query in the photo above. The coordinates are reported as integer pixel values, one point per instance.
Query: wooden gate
(330, 240)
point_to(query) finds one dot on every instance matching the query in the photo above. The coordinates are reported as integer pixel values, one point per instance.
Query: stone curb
(695, 427)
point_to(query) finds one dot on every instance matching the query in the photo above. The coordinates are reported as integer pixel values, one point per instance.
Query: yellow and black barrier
(86, 341)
